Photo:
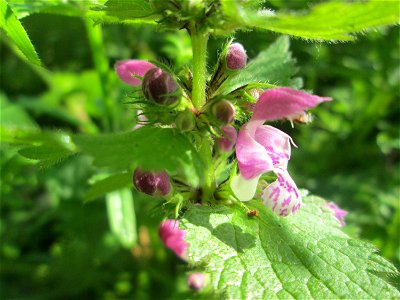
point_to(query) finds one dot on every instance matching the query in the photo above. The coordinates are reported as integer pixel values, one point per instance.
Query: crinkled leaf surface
(16, 33)
(269, 257)
(329, 21)
(151, 148)
(274, 65)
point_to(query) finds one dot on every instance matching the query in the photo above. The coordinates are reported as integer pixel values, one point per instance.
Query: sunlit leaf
(329, 21)
(264, 257)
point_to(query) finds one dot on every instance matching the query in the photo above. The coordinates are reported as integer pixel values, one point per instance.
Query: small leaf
(17, 34)
(331, 21)
(107, 185)
(304, 256)
(151, 148)
(121, 216)
(274, 65)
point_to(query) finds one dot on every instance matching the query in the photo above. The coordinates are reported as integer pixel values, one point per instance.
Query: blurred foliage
(54, 246)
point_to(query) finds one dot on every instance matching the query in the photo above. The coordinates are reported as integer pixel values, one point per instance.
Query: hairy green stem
(204, 143)
(199, 46)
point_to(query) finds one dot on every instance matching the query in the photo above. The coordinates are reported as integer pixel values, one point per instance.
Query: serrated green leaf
(269, 257)
(121, 216)
(274, 65)
(107, 185)
(151, 148)
(331, 21)
(17, 34)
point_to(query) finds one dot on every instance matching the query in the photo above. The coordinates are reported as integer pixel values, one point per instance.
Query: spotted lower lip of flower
(128, 69)
(173, 237)
(282, 196)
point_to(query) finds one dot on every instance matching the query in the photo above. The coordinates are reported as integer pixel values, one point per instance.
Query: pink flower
(337, 211)
(173, 237)
(261, 149)
(128, 69)
(228, 140)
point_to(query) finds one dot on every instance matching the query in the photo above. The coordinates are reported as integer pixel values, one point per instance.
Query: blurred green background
(54, 246)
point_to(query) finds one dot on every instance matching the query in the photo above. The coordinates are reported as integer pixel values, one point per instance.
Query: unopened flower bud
(159, 86)
(185, 121)
(236, 57)
(196, 281)
(151, 183)
(223, 111)
(173, 237)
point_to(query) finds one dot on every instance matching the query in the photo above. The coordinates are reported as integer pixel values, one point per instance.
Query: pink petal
(253, 158)
(128, 69)
(228, 140)
(279, 103)
(282, 196)
(173, 237)
(337, 211)
(276, 142)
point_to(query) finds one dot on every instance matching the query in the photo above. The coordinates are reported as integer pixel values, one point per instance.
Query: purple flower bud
(173, 237)
(151, 183)
(158, 86)
(337, 211)
(224, 111)
(228, 140)
(236, 57)
(196, 281)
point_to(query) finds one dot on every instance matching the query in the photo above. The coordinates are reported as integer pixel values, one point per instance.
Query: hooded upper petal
(128, 69)
(279, 103)
(282, 196)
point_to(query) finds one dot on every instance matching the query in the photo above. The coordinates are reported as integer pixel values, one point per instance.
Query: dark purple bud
(151, 183)
(224, 111)
(196, 281)
(159, 86)
(236, 57)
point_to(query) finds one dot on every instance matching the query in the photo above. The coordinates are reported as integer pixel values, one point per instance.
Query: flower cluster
(260, 148)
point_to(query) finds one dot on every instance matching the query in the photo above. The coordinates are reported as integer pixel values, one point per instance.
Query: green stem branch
(204, 142)
(199, 46)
